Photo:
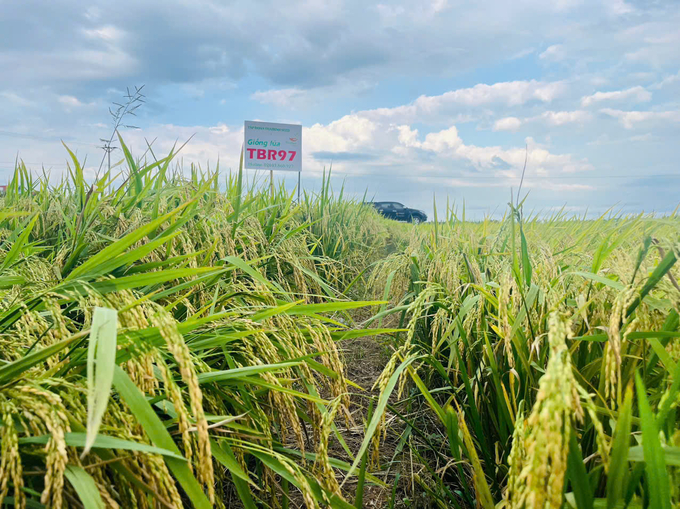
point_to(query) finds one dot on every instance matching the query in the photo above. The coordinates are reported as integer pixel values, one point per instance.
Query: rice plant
(542, 356)
(165, 343)
(174, 338)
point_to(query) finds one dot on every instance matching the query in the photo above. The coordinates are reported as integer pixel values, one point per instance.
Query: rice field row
(180, 341)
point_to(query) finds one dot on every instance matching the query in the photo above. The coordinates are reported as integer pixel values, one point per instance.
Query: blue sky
(407, 100)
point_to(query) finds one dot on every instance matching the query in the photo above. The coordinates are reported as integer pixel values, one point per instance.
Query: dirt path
(364, 360)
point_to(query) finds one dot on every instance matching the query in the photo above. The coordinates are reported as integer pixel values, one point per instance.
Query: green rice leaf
(526, 262)
(672, 454)
(17, 368)
(229, 374)
(616, 285)
(159, 435)
(85, 486)
(618, 462)
(102, 353)
(330, 307)
(257, 276)
(279, 388)
(103, 442)
(18, 245)
(113, 250)
(30, 503)
(152, 278)
(671, 397)
(273, 311)
(10, 281)
(660, 271)
(657, 475)
(362, 333)
(277, 466)
(663, 354)
(223, 453)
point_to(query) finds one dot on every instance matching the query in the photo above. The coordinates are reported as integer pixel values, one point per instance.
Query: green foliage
(477, 298)
(163, 343)
(172, 341)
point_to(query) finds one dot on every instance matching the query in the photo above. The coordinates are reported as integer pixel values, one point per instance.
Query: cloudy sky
(407, 100)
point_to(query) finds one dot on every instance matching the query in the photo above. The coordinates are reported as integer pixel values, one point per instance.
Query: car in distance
(397, 211)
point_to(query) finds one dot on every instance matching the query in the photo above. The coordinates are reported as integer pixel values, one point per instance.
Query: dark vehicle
(397, 211)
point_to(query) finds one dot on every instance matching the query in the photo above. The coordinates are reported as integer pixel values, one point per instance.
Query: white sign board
(272, 146)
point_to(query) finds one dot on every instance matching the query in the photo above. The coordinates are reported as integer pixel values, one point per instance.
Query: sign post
(271, 182)
(270, 146)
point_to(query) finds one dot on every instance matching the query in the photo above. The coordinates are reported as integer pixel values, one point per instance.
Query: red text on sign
(271, 155)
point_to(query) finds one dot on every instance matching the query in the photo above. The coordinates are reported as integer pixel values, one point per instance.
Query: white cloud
(93, 13)
(296, 98)
(522, 53)
(604, 139)
(642, 137)
(386, 146)
(282, 97)
(511, 93)
(659, 47)
(70, 102)
(558, 186)
(408, 137)
(629, 119)
(507, 124)
(108, 33)
(193, 90)
(448, 144)
(619, 7)
(207, 145)
(554, 53)
(417, 13)
(641, 76)
(83, 65)
(16, 99)
(389, 11)
(566, 5)
(668, 80)
(636, 94)
(443, 140)
(558, 118)
(349, 133)
(529, 182)
(437, 6)
(450, 105)
(551, 118)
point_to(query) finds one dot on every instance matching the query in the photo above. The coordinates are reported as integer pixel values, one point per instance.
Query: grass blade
(657, 475)
(85, 486)
(15, 251)
(156, 431)
(17, 368)
(102, 353)
(618, 463)
(576, 472)
(78, 439)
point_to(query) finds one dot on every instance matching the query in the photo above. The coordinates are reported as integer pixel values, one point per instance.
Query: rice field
(187, 339)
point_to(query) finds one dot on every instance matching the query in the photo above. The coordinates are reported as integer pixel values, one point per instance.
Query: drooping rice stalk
(535, 362)
(537, 393)
(223, 331)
